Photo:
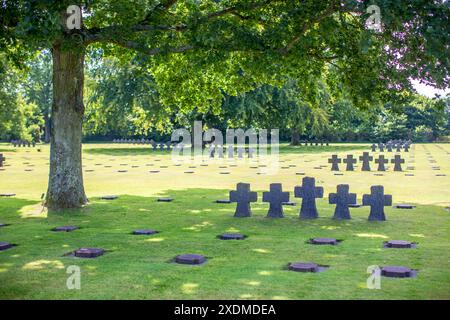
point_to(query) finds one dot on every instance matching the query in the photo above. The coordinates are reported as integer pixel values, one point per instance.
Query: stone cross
(381, 147)
(342, 199)
(243, 196)
(334, 160)
(389, 147)
(381, 161)
(398, 162)
(365, 158)
(350, 161)
(212, 151)
(2, 158)
(230, 151)
(374, 147)
(275, 197)
(308, 192)
(240, 152)
(154, 145)
(220, 151)
(399, 147)
(377, 200)
(406, 147)
(161, 146)
(251, 152)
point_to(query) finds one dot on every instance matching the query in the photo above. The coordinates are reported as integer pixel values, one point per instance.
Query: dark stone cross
(243, 196)
(406, 148)
(398, 162)
(334, 160)
(399, 147)
(374, 147)
(308, 192)
(365, 158)
(381, 161)
(2, 159)
(275, 197)
(342, 199)
(381, 147)
(389, 147)
(377, 200)
(350, 161)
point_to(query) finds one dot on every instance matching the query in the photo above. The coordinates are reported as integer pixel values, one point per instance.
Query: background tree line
(122, 101)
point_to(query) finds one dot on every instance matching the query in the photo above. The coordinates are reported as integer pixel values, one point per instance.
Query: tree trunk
(46, 128)
(295, 138)
(65, 186)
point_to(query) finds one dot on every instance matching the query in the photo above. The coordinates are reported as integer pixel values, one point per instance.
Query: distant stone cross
(381, 161)
(374, 147)
(406, 148)
(399, 147)
(377, 200)
(334, 160)
(240, 152)
(389, 147)
(365, 158)
(308, 192)
(398, 162)
(2, 158)
(350, 161)
(342, 199)
(230, 152)
(275, 197)
(381, 147)
(243, 196)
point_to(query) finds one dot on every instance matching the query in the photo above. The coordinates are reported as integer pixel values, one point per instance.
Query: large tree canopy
(197, 51)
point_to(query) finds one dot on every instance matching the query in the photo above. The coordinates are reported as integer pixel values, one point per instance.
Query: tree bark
(65, 186)
(295, 138)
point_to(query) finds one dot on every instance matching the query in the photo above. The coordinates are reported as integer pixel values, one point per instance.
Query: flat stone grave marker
(342, 199)
(409, 175)
(306, 267)
(324, 241)
(243, 197)
(122, 171)
(7, 195)
(308, 192)
(349, 161)
(377, 200)
(338, 174)
(192, 259)
(365, 158)
(189, 172)
(397, 272)
(398, 162)
(399, 244)
(275, 197)
(154, 171)
(65, 229)
(232, 236)
(334, 160)
(225, 172)
(89, 252)
(300, 173)
(164, 200)
(89, 170)
(440, 175)
(404, 206)
(147, 232)
(381, 162)
(109, 197)
(5, 246)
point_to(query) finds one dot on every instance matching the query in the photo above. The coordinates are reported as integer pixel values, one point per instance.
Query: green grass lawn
(140, 267)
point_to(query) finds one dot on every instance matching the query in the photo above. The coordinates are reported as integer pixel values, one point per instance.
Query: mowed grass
(140, 267)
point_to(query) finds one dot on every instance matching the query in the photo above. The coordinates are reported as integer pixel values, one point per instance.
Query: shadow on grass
(283, 149)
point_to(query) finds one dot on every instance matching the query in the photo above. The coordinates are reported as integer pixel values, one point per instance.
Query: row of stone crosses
(365, 159)
(393, 144)
(23, 143)
(308, 191)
